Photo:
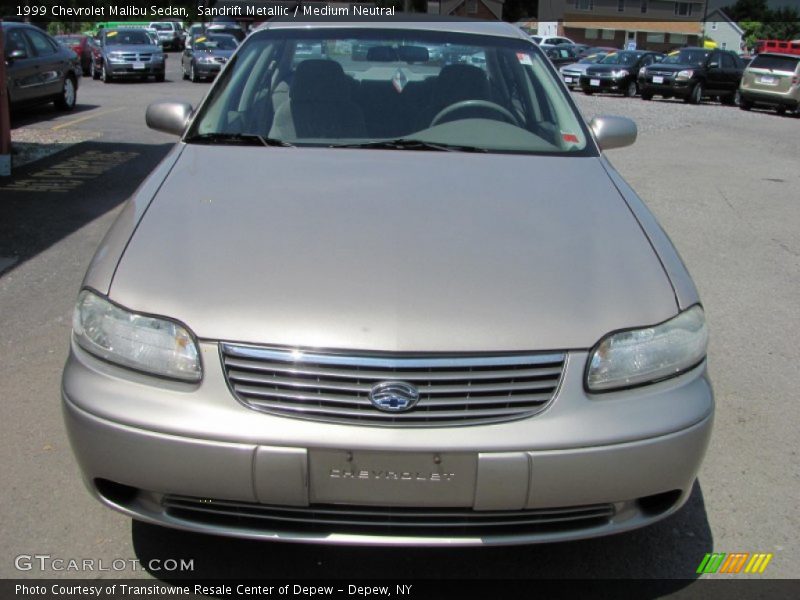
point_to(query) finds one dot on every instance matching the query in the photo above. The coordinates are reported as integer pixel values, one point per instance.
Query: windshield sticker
(399, 81)
(112, 33)
(524, 59)
(569, 137)
(200, 39)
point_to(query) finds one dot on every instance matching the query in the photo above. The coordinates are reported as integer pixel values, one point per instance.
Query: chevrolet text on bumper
(494, 367)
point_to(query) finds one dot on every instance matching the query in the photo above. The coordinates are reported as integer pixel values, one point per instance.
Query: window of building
(608, 34)
(714, 26)
(644, 6)
(683, 9)
(678, 38)
(592, 34)
(472, 6)
(584, 4)
(656, 38)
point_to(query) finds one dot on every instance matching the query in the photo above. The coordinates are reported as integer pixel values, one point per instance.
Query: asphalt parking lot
(725, 185)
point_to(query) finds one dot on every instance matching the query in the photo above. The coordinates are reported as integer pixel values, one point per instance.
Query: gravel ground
(670, 114)
(29, 144)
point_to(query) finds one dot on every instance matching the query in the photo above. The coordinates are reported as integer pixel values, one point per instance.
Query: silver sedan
(413, 303)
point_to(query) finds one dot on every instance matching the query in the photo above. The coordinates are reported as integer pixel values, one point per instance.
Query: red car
(78, 44)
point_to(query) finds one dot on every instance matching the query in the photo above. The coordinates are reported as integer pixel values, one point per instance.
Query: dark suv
(693, 74)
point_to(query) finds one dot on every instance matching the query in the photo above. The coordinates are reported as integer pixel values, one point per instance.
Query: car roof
(409, 22)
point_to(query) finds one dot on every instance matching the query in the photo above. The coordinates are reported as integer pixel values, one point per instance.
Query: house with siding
(658, 25)
(726, 33)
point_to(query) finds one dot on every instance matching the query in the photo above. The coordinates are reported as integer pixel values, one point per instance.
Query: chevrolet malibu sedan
(363, 327)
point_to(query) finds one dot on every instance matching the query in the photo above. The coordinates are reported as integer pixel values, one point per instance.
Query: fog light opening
(658, 503)
(118, 493)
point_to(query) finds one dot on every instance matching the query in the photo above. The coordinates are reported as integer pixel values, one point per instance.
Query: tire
(745, 104)
(647, 96)
(781, 110)
(193, 74)
(696, 95)
(104, 74)
(93, 72)
(184, 74)
(160, 77)
(69, 95)
(631, 90)
(587, 91)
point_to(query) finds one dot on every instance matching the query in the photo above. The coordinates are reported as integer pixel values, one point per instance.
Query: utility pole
(5, 119)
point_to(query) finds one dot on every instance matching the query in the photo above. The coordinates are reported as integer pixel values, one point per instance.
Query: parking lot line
(87, 117)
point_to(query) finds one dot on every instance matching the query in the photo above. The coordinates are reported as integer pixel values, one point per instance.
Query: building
(476, 9)
(659, 25)
(723, 31)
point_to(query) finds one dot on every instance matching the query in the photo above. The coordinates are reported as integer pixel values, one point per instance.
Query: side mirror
(713, 65)
(16, 55)
(168, 116)
(613, 132)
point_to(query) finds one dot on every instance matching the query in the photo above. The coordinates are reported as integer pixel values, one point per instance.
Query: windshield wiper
(411, 144)
(244, 139)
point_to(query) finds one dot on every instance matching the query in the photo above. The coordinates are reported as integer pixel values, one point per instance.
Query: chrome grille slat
(356, 519)
(379, 375)
(364, 388)
(336, 387)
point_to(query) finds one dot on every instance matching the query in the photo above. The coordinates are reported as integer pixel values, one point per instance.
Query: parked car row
(692, 74)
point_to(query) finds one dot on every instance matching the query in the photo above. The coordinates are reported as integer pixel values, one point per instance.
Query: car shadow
(667, 553)
(47, 200)
(37, 113)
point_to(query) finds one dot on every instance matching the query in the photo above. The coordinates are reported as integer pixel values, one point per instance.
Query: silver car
(364, 327)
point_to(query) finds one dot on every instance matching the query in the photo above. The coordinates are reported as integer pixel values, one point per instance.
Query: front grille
(135, 57)
(336, 387)
(375, 520)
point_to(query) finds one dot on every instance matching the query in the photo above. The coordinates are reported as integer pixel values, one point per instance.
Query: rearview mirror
(613, 132)
(168, 116)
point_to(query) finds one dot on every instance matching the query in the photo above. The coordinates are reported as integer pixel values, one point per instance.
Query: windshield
(619, 58)
(215, 42)
(687, 57)
(332, 87)
(161, 26)
(69, 39)
(126, 37)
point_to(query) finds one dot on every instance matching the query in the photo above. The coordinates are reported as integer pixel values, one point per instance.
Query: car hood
(215, 52)
(578, 67)
(402, 251)
(609, 68)
(671, 68)
(140, 48)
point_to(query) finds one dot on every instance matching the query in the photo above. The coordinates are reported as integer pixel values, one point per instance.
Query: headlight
(646, 355)
(619, 73)
(115, 57)
(686, 74)
(205, 58)
(149, 344)
(642, 71)
(158, 56)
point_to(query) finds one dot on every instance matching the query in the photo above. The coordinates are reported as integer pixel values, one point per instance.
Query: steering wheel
(463, 104)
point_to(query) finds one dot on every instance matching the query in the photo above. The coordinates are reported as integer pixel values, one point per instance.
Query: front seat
(320, 105)
(456, 83)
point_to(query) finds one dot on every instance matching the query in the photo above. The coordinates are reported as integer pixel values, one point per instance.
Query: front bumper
(604, 84)
(208, 69)
(669, 87)
(128, 69)
(606, 464)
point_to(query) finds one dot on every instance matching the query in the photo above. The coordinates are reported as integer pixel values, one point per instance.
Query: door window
(40, 43)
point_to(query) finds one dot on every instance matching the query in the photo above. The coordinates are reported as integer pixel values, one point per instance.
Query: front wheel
(104, 74)
(193, 74)
(160, 77)
(587, 91)
(696, 95)
(93, 71)
(66, 100)
(631, 90)
(647, 96)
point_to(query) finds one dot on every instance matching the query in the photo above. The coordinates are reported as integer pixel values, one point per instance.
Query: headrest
(319, 80)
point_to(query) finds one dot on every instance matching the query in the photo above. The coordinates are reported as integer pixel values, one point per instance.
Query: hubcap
(69, 92)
